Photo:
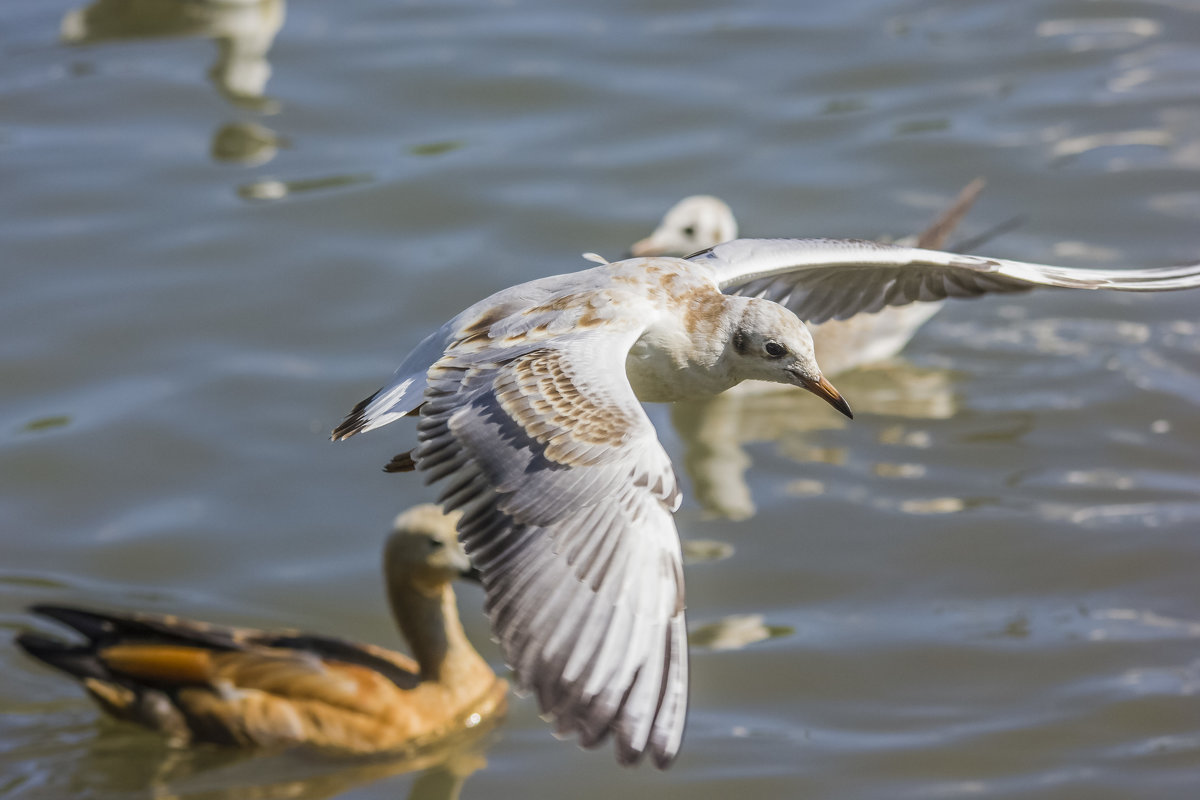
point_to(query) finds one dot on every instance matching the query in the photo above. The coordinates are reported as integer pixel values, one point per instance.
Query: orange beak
(824, 389)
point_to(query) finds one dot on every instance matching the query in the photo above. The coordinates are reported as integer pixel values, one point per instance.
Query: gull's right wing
(822, 279)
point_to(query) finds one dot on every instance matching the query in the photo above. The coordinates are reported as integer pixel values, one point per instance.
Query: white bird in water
(530, 418)
(694, 223)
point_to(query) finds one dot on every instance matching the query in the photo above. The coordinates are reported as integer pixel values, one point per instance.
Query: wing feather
(823, 279)
(508, 314)
(567, 499)
(400, 397)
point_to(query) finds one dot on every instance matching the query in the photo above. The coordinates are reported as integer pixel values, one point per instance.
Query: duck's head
(423, 549)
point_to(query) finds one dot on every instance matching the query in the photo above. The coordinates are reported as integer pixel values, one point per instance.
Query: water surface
(222, 225)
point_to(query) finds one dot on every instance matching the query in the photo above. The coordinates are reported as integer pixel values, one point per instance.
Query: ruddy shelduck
(242, 687)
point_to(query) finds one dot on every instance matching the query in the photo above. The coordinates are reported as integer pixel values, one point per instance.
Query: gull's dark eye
(689, 231)
(436, 544)
(775, 349)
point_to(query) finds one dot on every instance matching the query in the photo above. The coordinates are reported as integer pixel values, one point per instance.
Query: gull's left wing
(823, 279)
(567, 499)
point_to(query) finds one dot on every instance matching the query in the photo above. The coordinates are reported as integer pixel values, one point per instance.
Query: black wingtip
(351, 425)
(663, 761)
(354, 422)
(628, 757)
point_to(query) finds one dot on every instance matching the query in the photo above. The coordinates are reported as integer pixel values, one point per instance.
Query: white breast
(665, 365)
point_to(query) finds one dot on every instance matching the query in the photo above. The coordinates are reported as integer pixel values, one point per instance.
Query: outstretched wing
(567, 498)
(402, 395)
(502, 313)
(822, 279)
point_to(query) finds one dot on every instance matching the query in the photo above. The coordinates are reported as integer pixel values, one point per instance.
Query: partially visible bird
(530, 416)
(196, 682)
(694, 223)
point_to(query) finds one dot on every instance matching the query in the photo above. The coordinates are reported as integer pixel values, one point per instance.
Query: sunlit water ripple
(222, 225)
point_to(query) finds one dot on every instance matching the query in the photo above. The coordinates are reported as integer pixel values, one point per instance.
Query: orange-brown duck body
(243, 687)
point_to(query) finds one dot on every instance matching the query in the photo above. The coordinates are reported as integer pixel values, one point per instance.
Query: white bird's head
(694, 223)
(770, 343)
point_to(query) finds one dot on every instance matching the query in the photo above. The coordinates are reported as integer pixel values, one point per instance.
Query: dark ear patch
(739, 342)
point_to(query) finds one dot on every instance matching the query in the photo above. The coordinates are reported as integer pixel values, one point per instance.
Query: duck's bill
(823, 389)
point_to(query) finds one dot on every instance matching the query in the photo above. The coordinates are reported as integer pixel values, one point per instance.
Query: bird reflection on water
(736, 632)
(716, 428)
(126, 761)
(715, 431)
(243, 32)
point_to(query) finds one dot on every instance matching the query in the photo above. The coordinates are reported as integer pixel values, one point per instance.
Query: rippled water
(222, 225)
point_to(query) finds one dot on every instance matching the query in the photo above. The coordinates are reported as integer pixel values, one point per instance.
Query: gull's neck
(682, 355)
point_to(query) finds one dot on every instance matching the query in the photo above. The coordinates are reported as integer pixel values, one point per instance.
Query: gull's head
(423, 549)
(694, 223)
(769, 343)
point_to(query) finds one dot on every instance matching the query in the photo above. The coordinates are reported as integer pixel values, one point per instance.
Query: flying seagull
(529, 418)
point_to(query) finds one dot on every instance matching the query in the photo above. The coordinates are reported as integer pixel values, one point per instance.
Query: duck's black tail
(77, 660)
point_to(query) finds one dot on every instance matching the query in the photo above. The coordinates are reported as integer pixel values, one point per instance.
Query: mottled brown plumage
(243, 687)
(539, 394)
